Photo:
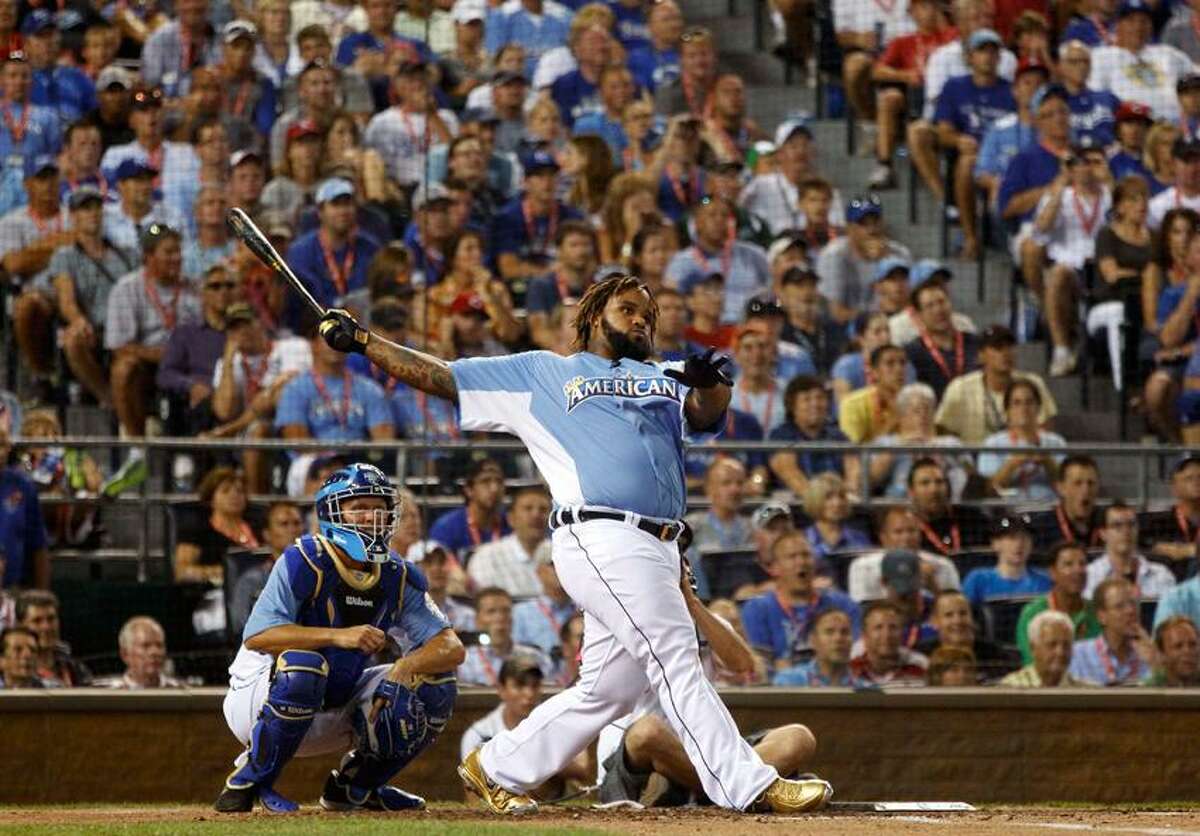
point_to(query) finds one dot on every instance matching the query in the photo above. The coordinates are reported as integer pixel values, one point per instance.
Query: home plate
(900, 807)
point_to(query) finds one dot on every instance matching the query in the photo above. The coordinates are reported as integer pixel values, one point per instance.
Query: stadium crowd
(458, 173)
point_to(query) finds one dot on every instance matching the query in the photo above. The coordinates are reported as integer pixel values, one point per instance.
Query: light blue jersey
(602, 433)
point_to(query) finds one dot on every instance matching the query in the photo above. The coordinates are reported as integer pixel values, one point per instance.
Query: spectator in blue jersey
(1011, 133)
(808, 420)
(577, 92)
(62, 88)
(616, 91)
(1011, 577)
(657, 61)
(742, 265)
(967, 105)
(524, 231)
(571, 274)
(830, 637)
(27, 131)
(1032, 171)
(538, 25)
(1093, 112)
(1133, 121)
(828, 506)
(632, 27)
(778, 622)
(370, 51)
(26, 561)
(332, 260)
(1092, 23)
(481, 518)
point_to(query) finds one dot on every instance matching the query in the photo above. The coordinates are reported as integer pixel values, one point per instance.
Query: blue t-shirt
(808, 675)
(22, 531)
(1094, 116)
(328, 414)
(431, 265)
(452, 531)
(309, 587)
(1031, 168)
(355, 43)
(812, 462)
(598, 124)
(677, 196)
(631, 29)
(510, 234)
(512, 23)
(784, 635)
(1122, 164)
(575, 96)
(542, 294)
(652, 68)
(849, 538)
(561, 406)
(969, 108)
(65, 90)
(1168, 300)
(985, 584)
(1001, 143)
(738, 426)
(307, 258)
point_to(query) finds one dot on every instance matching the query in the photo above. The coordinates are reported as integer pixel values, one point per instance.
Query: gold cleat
(788, 796)
(498, 799)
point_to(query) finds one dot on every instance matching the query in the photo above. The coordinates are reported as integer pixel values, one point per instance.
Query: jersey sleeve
(494, 392)
(280, 601)
(419, 617)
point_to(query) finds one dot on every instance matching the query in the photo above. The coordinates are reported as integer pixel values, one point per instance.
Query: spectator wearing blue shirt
(63, 89)
(831, 637)
(967, 105)
(577, 92)
(790, 359)
(571, 274)
(1032, 171)
(1011, 578)
(538, 25)
(1118, 656)
(249, 101)
(616, 92)
(806, 401)
(539, 621)
(778, 622)
(828, 506)
(656, 62)
(1092, 23)
(1012, 133)
(742, 265)
(1093, 112)
(1133, 122)
(22, 531)
(481, 518)
(369, 51)
(632, 27)
(27, 130)
(331, 260)
(428, 235)
(1188, 405)
(524, 231)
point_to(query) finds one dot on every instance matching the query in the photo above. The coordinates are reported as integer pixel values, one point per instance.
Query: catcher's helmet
(364, 542)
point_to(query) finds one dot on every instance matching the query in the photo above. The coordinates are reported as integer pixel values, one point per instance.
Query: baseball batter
(605, 427)
(300, 684)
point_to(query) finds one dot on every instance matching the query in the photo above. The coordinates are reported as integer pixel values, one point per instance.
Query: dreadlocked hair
(596, 297)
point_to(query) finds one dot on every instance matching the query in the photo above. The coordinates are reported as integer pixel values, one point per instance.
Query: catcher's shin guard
(297, 692)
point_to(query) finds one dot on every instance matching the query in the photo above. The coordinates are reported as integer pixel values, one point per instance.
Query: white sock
(1061, 352)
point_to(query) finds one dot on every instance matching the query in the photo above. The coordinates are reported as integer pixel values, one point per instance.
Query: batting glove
(343, 333)
(702, 371)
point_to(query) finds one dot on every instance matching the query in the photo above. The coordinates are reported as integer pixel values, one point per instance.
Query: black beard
(623, 345)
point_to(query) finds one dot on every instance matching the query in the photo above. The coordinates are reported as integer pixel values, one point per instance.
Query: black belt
(663, 531)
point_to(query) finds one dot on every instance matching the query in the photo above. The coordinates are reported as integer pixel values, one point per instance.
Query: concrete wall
(979, 745)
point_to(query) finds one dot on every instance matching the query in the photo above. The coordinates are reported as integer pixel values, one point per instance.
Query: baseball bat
(249, 233)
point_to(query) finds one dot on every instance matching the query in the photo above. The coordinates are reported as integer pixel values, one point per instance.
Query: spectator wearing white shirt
(757, 390)
(1185, 193)
(898, 530)
(511, 562)
(404, 133)
(862, 30)
(775, 196)
(1121, 560)
(1134, 69)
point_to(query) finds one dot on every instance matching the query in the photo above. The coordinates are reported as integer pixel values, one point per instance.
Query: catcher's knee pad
(296, 694)
(437, 695)
(400, 724)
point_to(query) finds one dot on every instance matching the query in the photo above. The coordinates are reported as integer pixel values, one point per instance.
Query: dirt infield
(456, 819)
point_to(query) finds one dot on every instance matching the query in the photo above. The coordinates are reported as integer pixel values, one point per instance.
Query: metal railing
(1150, 459)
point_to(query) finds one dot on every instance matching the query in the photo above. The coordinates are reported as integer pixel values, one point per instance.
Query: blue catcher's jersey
(310, 587)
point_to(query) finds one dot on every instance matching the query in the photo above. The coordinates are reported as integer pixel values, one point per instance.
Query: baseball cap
(40, 164)
(1047, 92)
(147, 99)
(302, 128)
(1185, 147)
(114, 75)
(537, 161)
(235, 29)
(334, 188)
(695, 280)
(781, 245)
(434, 193)
(508, 76)
(863, 207)
(1132, 7)
(1191, 81)
(479, 115)
(134, 167)
(1032, 62)
(765, 515)
(519, 666)
(468, 303)
(242, 155)
(156, 232)
(468, 11)
(901, 570)
(788, 127)
(926, 269)
(760, 307)
(84, 195)
(39, 20)
(1134, 110)
(995, 336)
(984, 37)
(423, 549)
(238, 313)
(889, 265)
(1012, 524)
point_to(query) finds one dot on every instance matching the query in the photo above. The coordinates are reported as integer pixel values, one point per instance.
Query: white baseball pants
(636, 629)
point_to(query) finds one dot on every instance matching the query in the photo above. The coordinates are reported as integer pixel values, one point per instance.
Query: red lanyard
(17, 130)
(936, 353)
(476, 536)
(689, 94)
(886, 7)
(681, 194)
(168, 316)
(245, 534)
(343, 417)
(239, 101)
(914, 632)
(1109, 669)
(254, 377)
(1067, 529)
(487, 664)
(546, 611)
(52, 224)
(1102, 28)
(420, 140)
(564, 294)
(726, 258)
(790, 612)
(341, 278)
(1089, 219)
(937, 542)
(744, 400)
(876, 404)
(1185, 525)
(451, 427)
(531, 225)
